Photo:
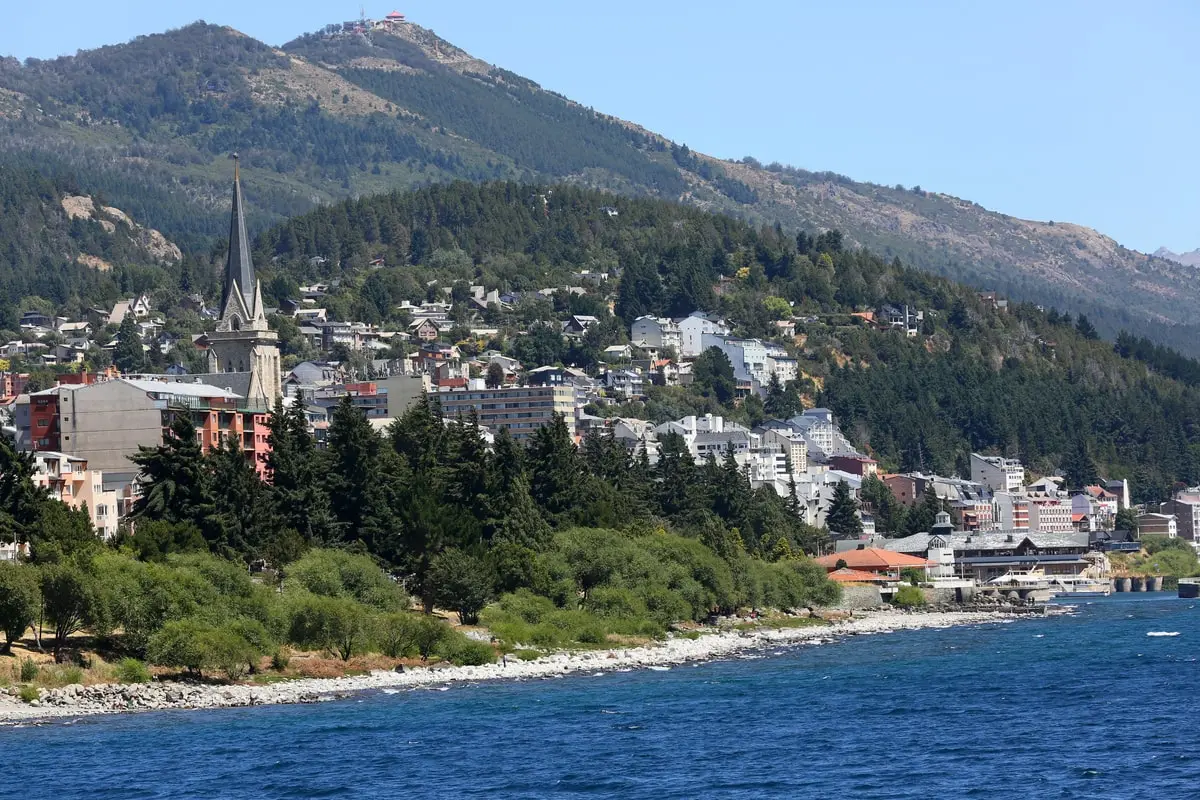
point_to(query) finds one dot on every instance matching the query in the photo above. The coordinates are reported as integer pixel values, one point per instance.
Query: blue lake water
(1075, 706)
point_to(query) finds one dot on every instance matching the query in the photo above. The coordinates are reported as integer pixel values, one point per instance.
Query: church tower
(243, 342)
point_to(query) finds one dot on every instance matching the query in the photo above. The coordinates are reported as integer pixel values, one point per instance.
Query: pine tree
(842, 515)
(519, 521)
(676, 474)
(21, 500)
(782, 401)
(554, 469)
(128, 355)
(295, 468)
(640, 292)
(244, 520)
(1079, 468)
(356, 481)
(174, 482)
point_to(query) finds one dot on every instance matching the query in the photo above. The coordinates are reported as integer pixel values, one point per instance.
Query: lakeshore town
(994, 526)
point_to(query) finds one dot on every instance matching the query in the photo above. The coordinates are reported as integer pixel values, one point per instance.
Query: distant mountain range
(147, 126)
(1191, 259)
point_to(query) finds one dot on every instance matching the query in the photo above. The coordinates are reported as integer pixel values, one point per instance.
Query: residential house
(997, 473)
(1155, 524)
(67, 479)
(138, 306)
(425, 330)
(692, 329)
(656, 333)
(578, 324)
(625, 382)
(1187, 516)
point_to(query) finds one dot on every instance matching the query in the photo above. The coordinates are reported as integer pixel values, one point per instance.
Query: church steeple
(239, 269)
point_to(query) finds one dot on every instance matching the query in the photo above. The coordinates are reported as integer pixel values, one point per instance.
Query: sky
(1071, 110)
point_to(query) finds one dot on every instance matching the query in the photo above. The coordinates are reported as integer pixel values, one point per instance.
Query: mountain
(71, 249)
(1191, 259)
(351, 112)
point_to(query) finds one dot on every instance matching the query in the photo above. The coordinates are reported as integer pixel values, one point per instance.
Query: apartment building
(519, 409)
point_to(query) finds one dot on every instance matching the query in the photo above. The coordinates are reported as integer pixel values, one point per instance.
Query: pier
(1138, 583)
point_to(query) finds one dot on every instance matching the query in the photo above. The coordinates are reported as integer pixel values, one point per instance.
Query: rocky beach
(77, 700)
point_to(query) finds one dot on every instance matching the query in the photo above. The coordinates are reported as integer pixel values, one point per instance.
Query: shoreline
(79, 701)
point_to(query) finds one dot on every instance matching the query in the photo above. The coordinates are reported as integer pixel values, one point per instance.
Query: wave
(1162, 633)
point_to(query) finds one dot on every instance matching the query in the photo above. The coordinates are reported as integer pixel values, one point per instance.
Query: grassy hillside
(150, 124)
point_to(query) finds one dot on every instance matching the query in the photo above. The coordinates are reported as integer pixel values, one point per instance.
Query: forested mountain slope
(1037, 385)
(71, 249)
(150, 123)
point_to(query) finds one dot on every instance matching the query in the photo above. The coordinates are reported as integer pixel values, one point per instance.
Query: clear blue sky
(1074, 110)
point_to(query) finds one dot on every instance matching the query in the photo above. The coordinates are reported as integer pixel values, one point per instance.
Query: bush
(29, 693)
(29, 670)
(197, 646)
(430, 633)
(463, 651)
(461, 583)
(338, 624)
(396, 634)
(335, 573)
(130, 670)
(280, 659)
(908, 597)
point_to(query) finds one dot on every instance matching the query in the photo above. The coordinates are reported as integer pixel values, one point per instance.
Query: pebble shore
(76, 700)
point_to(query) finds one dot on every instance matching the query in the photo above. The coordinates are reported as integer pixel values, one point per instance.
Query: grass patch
(130, 670)
(528, 655)
(29, 693)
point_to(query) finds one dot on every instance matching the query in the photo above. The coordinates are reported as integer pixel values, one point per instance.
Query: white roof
(182, 389)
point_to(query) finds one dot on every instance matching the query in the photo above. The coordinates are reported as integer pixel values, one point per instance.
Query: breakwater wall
(1138, 583)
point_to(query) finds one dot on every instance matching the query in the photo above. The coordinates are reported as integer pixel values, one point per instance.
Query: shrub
(68, 676)
(615, 602)
(430, 632)
(335, 573)
(29, 693)
(280, 659)
(528, 655)
(197, 646)
(461, 583)
(396, 634)
(909, 597)
(28, 670)
(131, 670)
(463, 651)
(338, 624)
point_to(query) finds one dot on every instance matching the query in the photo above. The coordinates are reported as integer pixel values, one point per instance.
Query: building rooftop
(872, 559)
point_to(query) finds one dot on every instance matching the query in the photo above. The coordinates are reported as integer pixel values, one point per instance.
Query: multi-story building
(519, 409)
(1010, 511)
(1050, 515)
(1187, 517)
(68, 480)
(692, 329)
(1152, 524)
(655, 333)
(998, 474)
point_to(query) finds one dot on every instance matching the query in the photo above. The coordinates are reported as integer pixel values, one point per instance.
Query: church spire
(239, 269)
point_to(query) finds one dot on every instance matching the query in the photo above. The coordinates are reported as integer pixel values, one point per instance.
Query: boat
(1079, 586)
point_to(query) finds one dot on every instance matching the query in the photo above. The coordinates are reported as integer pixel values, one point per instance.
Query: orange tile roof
(847, 575)
(873, 559)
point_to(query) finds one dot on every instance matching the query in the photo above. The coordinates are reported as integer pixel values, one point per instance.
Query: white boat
(1079, 586)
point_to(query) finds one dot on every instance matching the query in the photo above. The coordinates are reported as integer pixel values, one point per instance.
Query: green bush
(431, 633)
(280, 659)
(198, 646)
(397, 634)
(464, 651)
(336, 573)
(908, 597)
(29, 693)
(130, 670)
(528, 655)
(338, 624)
(29, 670)
(69, 676)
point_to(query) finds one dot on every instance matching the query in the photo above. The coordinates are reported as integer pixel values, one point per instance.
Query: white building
(998, 474)
(1050, 515)
(655, 332)
(692, 329)
(748, 357)
(824, 438)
